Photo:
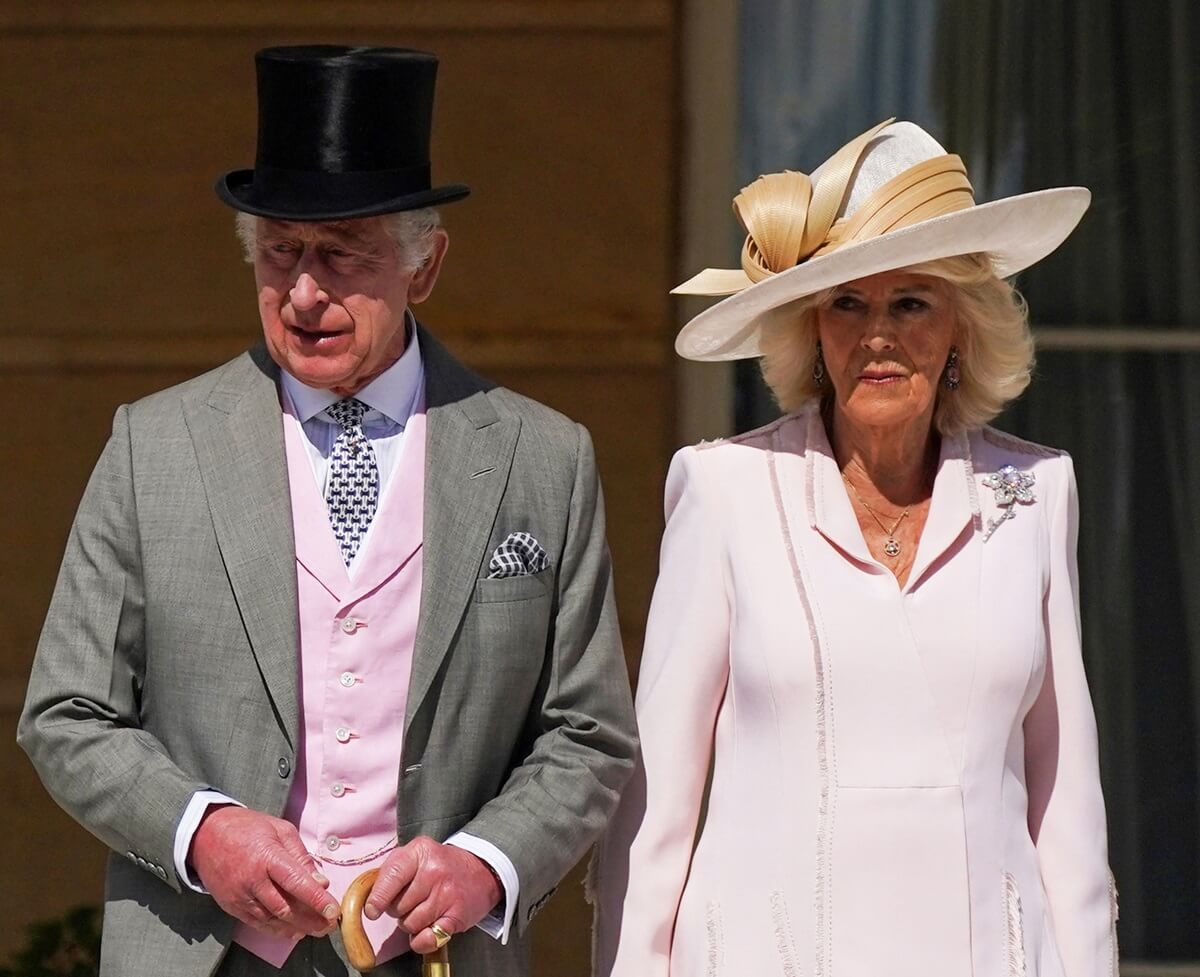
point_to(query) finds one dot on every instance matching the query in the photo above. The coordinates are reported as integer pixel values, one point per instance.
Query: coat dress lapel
(468, 453)
(238, 437)
(953, 510)
(829, 509)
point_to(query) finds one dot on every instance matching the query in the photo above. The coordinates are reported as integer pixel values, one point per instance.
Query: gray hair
(411, 230)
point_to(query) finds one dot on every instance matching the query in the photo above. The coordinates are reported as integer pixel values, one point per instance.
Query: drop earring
(952, 378)
(819, 367)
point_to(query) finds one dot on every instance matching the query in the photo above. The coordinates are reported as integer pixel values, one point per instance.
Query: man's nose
(306, 293)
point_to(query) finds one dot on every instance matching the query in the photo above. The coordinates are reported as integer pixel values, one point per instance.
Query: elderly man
(339, 604)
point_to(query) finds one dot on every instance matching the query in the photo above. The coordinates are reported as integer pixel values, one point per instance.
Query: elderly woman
(865, 625)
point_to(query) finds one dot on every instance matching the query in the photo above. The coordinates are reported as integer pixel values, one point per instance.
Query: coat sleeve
(80, 724)
(1066, 808)
(558, 799)
(643, 862)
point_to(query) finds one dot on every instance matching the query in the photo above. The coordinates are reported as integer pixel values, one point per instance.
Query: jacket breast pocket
(501, 590)
(510, 619)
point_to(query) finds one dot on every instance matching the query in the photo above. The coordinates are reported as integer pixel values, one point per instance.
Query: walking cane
(358, 947)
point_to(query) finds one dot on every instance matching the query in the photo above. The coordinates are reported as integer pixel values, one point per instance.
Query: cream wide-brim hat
(890, 199)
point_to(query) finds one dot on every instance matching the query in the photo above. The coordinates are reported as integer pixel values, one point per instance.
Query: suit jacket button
(284, 767)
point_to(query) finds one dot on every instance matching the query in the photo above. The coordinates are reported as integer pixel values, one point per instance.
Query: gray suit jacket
(168, 659)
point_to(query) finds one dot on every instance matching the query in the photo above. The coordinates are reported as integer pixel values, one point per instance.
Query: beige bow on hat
(789, 219)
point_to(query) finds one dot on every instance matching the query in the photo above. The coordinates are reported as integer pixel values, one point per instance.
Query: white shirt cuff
(199, 803)
(498, 922)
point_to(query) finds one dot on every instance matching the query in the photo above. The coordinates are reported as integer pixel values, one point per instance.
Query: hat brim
(1016, 232)
(236, 188)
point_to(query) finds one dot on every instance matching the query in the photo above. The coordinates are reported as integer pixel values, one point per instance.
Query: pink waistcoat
(356, 648)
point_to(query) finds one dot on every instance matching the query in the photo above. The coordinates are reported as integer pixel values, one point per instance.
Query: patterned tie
(353, 493)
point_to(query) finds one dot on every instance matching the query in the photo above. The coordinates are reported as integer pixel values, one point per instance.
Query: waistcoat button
(284, 767)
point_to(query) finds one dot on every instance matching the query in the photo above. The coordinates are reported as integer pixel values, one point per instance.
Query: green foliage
(66, 947)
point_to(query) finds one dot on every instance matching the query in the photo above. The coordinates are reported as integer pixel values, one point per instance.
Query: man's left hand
(425, 882)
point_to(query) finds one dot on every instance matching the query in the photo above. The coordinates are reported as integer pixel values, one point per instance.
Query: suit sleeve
(80, 724)
(558, 799)
(644, 860)
(1066, 808)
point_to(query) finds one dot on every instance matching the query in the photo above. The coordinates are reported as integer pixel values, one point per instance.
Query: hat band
(788, 220)
(924, 191)
(286, 188)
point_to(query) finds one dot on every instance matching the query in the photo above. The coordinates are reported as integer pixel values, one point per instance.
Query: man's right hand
(258, 870)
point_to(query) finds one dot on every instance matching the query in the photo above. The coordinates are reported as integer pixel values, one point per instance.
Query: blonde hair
(995, 346)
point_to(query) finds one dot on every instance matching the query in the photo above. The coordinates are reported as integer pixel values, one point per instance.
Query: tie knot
(348, 413)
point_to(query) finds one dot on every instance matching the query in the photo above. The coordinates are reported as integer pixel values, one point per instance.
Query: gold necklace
(891, 545)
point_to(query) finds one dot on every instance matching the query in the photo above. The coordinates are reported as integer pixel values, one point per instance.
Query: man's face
(332, 298)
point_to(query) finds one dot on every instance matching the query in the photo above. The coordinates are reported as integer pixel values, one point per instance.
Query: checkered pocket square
(518, 555)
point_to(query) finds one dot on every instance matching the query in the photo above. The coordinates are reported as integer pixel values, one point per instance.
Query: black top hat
(343, 132)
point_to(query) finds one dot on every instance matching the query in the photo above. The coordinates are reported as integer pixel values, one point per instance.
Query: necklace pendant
(891, 548)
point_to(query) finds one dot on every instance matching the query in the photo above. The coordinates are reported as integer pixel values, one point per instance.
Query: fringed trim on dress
(592, 898)
(824, 719)
(1016, 933)
(715, 935)
(1114, 913)
(785, 943)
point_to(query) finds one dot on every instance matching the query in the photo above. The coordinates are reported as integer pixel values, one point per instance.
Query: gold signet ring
(440, 935)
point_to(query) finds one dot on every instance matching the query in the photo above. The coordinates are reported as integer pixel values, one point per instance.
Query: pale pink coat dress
(904, 780)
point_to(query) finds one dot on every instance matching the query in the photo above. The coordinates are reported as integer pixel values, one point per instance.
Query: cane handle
(358, 947)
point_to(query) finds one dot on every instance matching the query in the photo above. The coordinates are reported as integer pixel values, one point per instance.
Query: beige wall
(122, 276)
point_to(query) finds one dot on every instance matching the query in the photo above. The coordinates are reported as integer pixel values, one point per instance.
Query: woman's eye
(846, 303)
(911, 304)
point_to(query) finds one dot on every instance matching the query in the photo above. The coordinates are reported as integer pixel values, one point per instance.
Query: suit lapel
(238, 436)
(468, 453)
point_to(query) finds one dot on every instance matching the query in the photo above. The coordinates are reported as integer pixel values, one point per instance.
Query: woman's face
(885, 340)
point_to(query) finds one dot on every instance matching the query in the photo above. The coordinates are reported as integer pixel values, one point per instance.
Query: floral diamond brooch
(1010, 485)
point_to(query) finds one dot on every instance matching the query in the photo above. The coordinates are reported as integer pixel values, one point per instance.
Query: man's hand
(258, 871)
(425, 883)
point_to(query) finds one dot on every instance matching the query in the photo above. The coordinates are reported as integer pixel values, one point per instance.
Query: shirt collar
(393, 393)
